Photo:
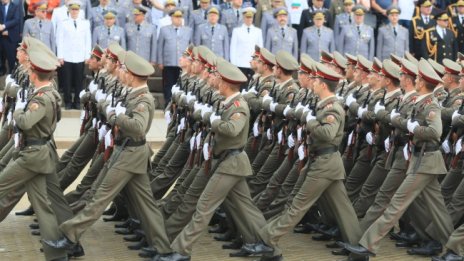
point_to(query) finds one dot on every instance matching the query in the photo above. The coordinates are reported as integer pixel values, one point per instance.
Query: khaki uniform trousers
(456, 241)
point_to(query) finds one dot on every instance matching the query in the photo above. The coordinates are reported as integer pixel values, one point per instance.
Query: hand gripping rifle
(356, 130)
(411, 135)
(211, 144)
(454, 137)
(305, 133)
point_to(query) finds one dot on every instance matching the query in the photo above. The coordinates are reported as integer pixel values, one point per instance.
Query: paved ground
(101, 243)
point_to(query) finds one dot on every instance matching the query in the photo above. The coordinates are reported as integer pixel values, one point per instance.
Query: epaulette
(237, 103)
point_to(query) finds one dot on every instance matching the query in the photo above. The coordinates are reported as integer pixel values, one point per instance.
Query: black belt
(131, 143)
(231, 152)
(35, 142)
(417, 150)
(323, 151)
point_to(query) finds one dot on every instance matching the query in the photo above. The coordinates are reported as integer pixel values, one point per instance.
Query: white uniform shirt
(242, 44)
(61, 13)
(73, 44)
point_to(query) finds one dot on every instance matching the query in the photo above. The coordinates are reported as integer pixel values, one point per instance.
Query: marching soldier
(97, 14)
(439, 41)
(232, 17)
(172, 41)
(213, 35)
(420, 23)
(109, 32)
(199, 16)
(425, 165)
(344, 18)
(457, 25)
(39, 27)
(317, 38)
(281, 36)
(141, 35)
(358, 38)
(392, 38)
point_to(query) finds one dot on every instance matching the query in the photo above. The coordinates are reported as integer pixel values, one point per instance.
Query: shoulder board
(328, 106)
(40, 94)
(237, 103)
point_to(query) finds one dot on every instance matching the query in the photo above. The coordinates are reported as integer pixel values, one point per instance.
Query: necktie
(177, 31)
(349, 18)
(109, 31)
(212, 30)
(319, 32)
(138, 27)
(75, 24)
(394, 31)
(40, 24)
(238, 15)
(444, 32)
(359, 30)
(283, 32)
(248, 29)
(426, 20)
(461, 18)
(204, 12)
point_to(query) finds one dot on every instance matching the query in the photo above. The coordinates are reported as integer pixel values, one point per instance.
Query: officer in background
(306, 19)
(457, 25)
(420, 23)
(97, 17)
(232, 17)
(268, 19)
(358, 38)
(141, 35)
(199, 16)
(344, 18)
(39, 27)
(109, 32)
(317, 38)
(392, 38)
(243, 42)
(213, 35)
(281, 36)
(440, 42)
(169, 6)
(172, 42)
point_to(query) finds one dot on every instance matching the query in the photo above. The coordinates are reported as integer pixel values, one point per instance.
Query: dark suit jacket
(13, 22)
(445, 47)
(459, 29)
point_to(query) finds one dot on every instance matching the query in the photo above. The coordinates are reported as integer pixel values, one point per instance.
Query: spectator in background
(121, 6)
(307, 16)
(141, 35)
(109, 32)
(62, 13)
(96, 18)
(10, 28)
(261, 7)
(457, 25)
(420, 23)
(39, 27)
(51, 5)
(392, 38)
(269, 19)
(213, 35)
(135, 4)
(73, 43)
(173, 40)
(199, 16)
(440, 42)
(358, 38)
(232, 17)
(407, 10)
(344, 18)
(243, 42)
(86, 7)
(379, 8)
(336, 7)
(169, 5)
(295, 9)
(281, 36)
(317, 38)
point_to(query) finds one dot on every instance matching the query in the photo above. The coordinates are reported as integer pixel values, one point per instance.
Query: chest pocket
(365, 37)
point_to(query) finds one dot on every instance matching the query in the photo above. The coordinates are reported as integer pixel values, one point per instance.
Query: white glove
(455, 114)
(82, 93)
(197, 106)
(378, 107)
(94, 122)
(213, 118)
(110, 109)
(190, 97)
(306, 109)
(9, 117)
(412, 125)
(310, 116)
(386, 143)
(286, 110)
(266, 98)
(370, 138)
(102, 132)
(109, 97)
(446, 147)
(20, 105)
(198, 138)
(299, 133)
(8, 79)
(299, 106)
(350, 138)
(255, 129)
(340, 98)
(268, 134)
(120, 109)
(458, 146)
(279, 136)
(16, 140)
(350, 99)
(167, 117)
(82, 117)
(301, 153)
(175, 89)
(406, 152)
(394, 114)
(361, 111)
(205, 109)
(206, 151)
(108, 140)
(181, 125)
(244, 91)
(273, 106)
(192, 143)
(100, 96)
(290, 141)
(1, 104)
(253, 90)
(93, 87)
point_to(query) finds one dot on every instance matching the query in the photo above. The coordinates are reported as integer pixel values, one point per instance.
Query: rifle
(211, 144)
(454, 137)
(302, 162)
(411, 135)
(340, 92)
(356, 130)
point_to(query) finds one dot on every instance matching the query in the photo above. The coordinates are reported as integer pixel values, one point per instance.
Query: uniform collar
(322, 103)
(392, 93)
(423, 97)
(454, 91)
(230, 98)
(282, 84)
(410, 93)
(137, 91)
